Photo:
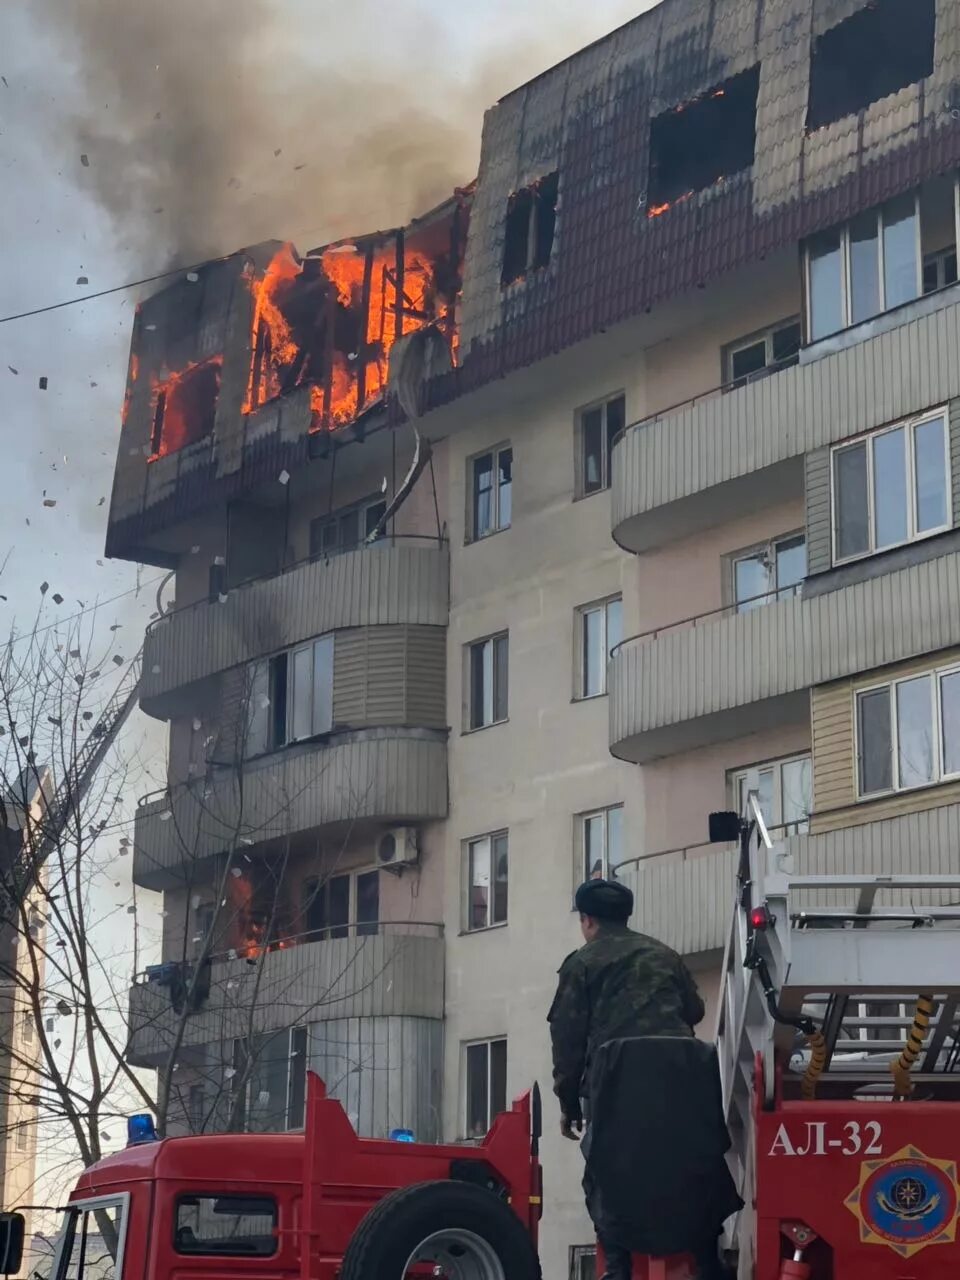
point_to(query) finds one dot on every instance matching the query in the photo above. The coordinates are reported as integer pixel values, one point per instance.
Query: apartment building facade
(674, 380)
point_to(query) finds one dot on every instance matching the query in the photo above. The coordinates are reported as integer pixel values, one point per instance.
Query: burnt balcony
(699, 883)
(699, 463)
(384, 776)
(396, 971)
(726, 674)
(395, 580)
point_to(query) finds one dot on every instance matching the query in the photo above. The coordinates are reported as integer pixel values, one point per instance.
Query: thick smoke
(211, 124)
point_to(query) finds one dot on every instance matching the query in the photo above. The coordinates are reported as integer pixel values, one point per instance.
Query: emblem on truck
(906, 1202)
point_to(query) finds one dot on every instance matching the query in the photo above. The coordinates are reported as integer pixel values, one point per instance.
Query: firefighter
(619, 985)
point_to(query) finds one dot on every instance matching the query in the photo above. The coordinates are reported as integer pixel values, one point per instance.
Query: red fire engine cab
(839, 1043)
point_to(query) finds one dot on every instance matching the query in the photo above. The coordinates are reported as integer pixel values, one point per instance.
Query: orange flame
(184, 406)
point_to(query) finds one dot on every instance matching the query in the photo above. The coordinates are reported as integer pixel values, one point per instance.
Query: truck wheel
(461, 1231)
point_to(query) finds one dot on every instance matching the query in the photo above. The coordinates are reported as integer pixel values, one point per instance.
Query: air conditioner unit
(397, 849)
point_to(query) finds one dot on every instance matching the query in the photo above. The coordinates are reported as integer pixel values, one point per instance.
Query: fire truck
(838, 1044)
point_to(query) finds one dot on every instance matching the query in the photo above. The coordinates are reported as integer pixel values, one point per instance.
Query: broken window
(694, 145)
(531, 222)
(185, 408)
(348, 529)
(880, 49)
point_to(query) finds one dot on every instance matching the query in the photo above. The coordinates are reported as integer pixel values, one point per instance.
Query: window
(27, 1027)
(277, 1079)
(871, 265)
(291, 696)
(85, 1251)
(197, 1108)
(939, 270)
(583, 1262)
(908, 732)
(226, 1226)
(771, 572)
(487, 881)
(601, 842)
(333, 904)
(488, 676)
(784, 791)
(710, 138)
(597, 428)
(491, 492)
(204, 918)
(880, 49)
(23, 1136)
(531, 222)
(346, 530)
(599, 631)
(185, 409)
(750, 358)
(891, 487)
(486, 1085)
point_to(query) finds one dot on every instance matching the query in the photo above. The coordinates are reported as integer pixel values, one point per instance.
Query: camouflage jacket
(620, 984)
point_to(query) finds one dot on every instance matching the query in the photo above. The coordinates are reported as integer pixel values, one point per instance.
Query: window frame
(766, 335)
(769, 547)
(492, 1113)
(268, 742)
(467, 863)
(494, 454)
(941, 776)
(846, 268)
(204, 1193)
(579, 1254)
(868, 438)
(581, 613)
(606, 444)
(742, 774)
(325, 933)
(332, 520)
(601, 811)
(66, 1234)
(468, 725)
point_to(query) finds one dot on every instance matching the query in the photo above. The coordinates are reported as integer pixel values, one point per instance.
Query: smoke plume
(210, 124)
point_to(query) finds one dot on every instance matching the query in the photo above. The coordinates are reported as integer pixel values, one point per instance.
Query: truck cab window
(226, 1226)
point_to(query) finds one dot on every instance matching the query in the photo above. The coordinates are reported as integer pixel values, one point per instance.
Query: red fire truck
(839, 1044)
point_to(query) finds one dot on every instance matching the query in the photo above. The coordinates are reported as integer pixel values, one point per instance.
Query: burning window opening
(329, 320)
(879, 50)
(700, 143)
(185, 407)
(530, 226)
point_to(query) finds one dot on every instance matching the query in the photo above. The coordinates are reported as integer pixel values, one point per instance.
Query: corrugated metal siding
(393, 974)
(375, 586)
(893, 375)
(689, 903)
(393, 775)
(819, 519)
(390, 675)
(783, 648)
(834, 755)
(386, 1072)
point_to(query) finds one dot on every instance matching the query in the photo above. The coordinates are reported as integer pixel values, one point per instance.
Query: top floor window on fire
(531, 222)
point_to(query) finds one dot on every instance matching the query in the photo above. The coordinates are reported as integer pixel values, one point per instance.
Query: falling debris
(57, 598)
(278, 150)
(116, 626)
(82, 280)
(155, 669)
(74, 653)
(102, 500)
(43, 384)
(49, 502)
(118, 661)
(131, 910)
(236, 872)
(4, 79)
(88, 715)
(284, 477)
(193, 277)
(151, 328)
(13, 370)
(85, 161)
(44, 588)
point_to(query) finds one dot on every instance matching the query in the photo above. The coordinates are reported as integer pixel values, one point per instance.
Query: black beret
(604, 900)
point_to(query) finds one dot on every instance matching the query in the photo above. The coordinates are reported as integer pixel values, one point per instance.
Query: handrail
(787, 829)
(734, 608)
(385, 928)
(439, 540)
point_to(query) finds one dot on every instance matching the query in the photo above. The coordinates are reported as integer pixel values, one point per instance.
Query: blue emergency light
(402, 1135)
(140, 1129)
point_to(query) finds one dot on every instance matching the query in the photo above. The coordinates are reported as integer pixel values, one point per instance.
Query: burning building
(680, 366)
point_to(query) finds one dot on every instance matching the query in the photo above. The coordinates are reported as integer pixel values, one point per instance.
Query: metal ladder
(854, 966)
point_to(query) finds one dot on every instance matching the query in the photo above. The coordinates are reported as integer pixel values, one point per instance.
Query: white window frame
(938, 258)
(868, 438)
(494, 452)
(940, 776)
(752, 772)
(770, 549)
(606, 463)
(120, 1199)
(580, 644)
(580, 1254)
(469, 726)
(846, 268)
(334, 518)
(353, 875)
(489, 1041)
(765, 336)
(289, 1037)
(468, 847)
(602, 811)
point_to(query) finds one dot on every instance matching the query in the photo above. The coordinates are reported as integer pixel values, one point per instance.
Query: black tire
(399, 1223)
